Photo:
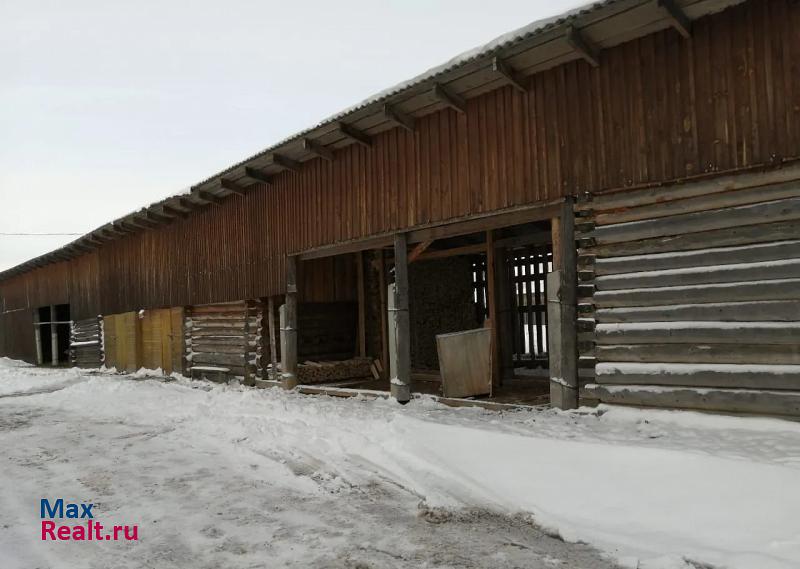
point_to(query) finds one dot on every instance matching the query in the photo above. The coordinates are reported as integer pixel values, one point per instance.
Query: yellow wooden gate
(151, 339)
(122, 338)
(162, 339)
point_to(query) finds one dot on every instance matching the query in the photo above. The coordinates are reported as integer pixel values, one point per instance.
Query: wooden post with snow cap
(289, 329)
(399, 324)
(562, 293)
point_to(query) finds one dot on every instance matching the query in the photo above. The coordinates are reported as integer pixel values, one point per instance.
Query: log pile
(223, 341)
(86, 343)
(310, 372)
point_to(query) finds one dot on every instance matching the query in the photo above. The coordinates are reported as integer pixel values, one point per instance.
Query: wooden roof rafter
(233, 187)
(448, 98)
(583, 46)
(354, 135)
(257, 176)
(317, 149)
(680, 21)
(510, 75)
(399, 118)
(285, 163)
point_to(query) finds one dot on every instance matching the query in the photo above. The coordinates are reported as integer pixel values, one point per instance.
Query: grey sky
(106, 106)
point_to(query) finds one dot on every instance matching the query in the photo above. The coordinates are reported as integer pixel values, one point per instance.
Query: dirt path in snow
(202, 502)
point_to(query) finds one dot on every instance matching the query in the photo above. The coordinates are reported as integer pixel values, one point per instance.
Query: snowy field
(223, 476)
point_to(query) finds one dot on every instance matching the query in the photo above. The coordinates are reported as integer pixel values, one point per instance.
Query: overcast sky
(106, 106)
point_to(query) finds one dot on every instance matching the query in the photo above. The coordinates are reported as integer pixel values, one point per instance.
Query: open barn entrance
(476, 309)
(52, 334)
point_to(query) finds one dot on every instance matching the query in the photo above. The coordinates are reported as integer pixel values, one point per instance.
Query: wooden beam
(110, 232)
(504, 312)
(285, 163)
(141, 222)
(273, 350)
(400, 324)
(680, 21)
(454, 252)
(580, 44)
(317, 149)
(401, 119)
(508, 74)
(562, 328)
(362, 305)
(539, 238)
(232, 186)
(188, 204)
(384, 310)
(289, 352)
(209, 197)
(121, 227)
(449, 98)
(169, 210)
(491, 296)
(91, 239)
(156, 217)
(257, 175)
(355, 135)
(419, 250)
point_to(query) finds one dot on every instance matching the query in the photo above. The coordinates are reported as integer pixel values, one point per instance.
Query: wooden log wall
(223, 341)
(690, 296)
(656, 109)
(86, 343)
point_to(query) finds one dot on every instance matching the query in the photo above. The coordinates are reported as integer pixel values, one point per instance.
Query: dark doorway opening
(53, 329)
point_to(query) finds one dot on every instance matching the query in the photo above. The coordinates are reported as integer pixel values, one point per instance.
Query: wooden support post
(562, 286)
(37, 330)
(384, 314)
(491, 297)
(53, 335)
(505, 328)
(362, 306)
(273, 349)
(400, 325)
(289, 330)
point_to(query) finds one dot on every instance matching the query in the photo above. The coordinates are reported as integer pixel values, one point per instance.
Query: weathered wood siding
(657, 108)
(692, 295)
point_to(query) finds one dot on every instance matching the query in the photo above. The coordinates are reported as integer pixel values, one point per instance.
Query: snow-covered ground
(223, 476)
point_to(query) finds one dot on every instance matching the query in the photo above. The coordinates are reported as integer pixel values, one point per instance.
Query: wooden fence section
(86, 343)
(528, 269)
(123, 341)
(223, 341)
(690, 295)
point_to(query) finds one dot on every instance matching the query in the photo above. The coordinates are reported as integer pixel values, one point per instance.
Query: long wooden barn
(599, 207)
